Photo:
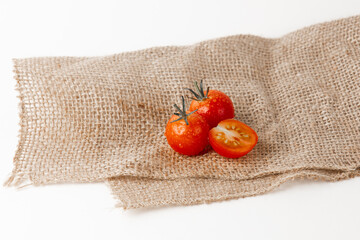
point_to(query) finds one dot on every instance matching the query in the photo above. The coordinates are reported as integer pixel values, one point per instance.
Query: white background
(298, 210)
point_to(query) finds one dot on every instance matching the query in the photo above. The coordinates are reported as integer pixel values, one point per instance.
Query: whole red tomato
(187, 132)
(213, 105)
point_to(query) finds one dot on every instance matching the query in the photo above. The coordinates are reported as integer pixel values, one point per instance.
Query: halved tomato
(232, 138)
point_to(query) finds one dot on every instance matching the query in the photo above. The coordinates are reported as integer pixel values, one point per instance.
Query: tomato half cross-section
(232, 138)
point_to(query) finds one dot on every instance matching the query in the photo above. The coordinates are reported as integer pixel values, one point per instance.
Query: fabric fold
(132, 192)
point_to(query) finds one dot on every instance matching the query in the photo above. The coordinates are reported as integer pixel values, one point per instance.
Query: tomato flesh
(232, 138)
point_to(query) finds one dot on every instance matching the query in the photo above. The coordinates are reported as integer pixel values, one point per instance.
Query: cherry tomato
(213, 105)
(232, 138)
(187, 132)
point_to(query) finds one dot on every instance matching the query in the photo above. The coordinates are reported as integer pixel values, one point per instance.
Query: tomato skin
(188, 139)
(217, 107)
(244, 136)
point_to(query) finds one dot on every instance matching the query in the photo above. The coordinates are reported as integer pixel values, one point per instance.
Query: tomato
(187, 132)
(213, 105)
(232, 138)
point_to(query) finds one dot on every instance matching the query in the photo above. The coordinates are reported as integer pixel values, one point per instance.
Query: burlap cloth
(91, 119)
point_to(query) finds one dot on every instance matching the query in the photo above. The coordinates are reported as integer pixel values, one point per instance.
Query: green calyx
(182, 113)
(199, 94)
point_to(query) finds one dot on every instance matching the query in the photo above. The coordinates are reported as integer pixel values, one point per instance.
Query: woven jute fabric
(93, 119)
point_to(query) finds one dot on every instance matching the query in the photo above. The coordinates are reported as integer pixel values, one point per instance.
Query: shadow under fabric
(102, 119)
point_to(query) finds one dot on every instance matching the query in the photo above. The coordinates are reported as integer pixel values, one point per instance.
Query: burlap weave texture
(103, 118)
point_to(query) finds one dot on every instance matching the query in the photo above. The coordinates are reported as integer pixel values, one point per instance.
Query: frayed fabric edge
(18, 180)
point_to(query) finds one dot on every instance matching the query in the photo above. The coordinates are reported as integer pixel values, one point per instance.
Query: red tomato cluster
(209, 120)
